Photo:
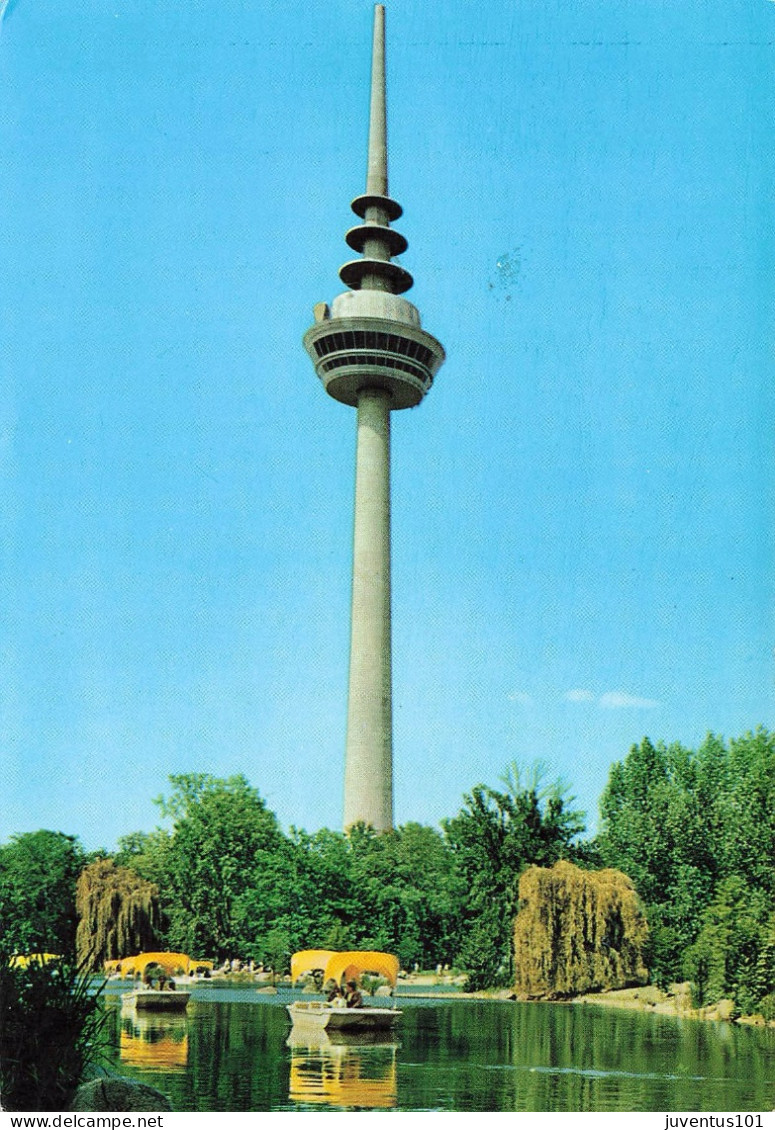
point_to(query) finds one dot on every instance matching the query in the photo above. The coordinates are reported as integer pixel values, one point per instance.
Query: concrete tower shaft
(370, 352)
(368, 770)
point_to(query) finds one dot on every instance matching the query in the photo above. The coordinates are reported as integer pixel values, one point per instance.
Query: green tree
(38, 874)
(747, 811)
(725, 959)
(696, 833)
(270, 913)
(118, 913)
(763, 982)
(325, 899)
(395, 891)
(634, 836)
(655, 829)
(147, 854)
(494, 837)
(408, 893)
(224, 842)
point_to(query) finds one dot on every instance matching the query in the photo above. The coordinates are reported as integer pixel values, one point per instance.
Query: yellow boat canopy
(306, 960)
(346, 965)
(169, 962)
(22, 960)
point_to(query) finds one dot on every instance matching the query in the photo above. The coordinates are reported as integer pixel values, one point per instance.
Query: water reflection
(153, 1043)
(464, 1055)
(348, 1069)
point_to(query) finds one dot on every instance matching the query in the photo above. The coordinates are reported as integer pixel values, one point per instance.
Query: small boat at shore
(157, 1000)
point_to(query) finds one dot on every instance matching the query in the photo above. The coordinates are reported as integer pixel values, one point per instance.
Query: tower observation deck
(370, 352)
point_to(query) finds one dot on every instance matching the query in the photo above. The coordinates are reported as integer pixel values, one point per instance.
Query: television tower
(370, 352)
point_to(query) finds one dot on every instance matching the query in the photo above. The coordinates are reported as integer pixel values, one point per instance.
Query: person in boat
(333, 991)
(334, 995)
(352, 995)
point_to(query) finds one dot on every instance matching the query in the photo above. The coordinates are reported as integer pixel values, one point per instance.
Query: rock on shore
(114, 1093)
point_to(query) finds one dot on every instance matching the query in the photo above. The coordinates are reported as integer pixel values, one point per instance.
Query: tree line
(693, 830)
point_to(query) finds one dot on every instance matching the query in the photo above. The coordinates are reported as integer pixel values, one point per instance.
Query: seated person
(333, 991)
(353, 996)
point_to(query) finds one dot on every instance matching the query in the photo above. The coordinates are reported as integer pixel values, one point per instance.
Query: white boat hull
(322, 1017)
(157, 1000)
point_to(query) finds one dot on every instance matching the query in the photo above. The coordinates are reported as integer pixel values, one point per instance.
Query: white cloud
(579, 696)
(615, 700)
(521, 697)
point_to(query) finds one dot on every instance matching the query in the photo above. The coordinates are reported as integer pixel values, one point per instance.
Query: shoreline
(675, 1002)
(645, 998)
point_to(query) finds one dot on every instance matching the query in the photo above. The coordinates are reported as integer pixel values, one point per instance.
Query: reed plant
(51, 1031)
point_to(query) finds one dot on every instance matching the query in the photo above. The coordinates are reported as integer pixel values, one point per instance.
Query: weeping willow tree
(118, 913)
(577, 931)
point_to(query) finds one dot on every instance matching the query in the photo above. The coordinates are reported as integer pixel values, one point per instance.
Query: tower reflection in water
(353, 1070)
(154, 1043)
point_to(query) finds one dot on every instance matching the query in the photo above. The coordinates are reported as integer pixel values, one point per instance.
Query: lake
(233, 1050)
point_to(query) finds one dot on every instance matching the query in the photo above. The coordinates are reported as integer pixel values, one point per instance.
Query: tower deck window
(338, 342)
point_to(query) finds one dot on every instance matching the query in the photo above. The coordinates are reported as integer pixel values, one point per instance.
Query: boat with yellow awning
(340, 968)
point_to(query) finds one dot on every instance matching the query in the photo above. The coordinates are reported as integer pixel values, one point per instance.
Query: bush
(50, 1032)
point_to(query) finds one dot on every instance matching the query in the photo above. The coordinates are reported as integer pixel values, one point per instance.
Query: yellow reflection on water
(154, 1043)
(349, 1070)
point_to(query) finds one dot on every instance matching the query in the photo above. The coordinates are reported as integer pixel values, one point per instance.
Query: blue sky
(582, 506)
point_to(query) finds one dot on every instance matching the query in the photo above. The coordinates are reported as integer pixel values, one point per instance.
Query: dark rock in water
(113, 1093)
